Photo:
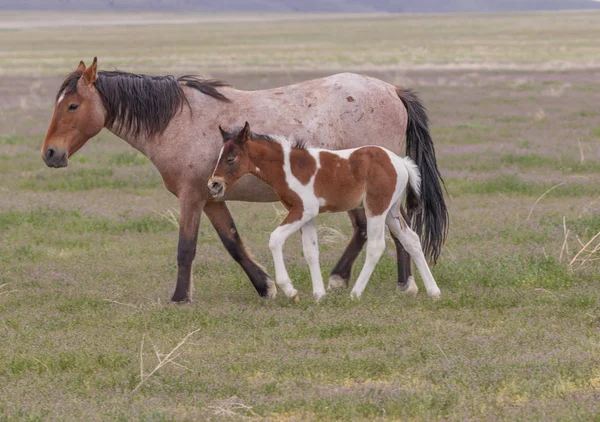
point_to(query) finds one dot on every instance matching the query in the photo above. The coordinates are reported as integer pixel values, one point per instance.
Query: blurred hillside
(402, 6)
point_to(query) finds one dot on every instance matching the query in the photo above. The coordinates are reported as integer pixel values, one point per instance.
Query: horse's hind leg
(406, 281)
(310, 247)
(222, 221)
(412, 244)
(375, 248)
(341, 272)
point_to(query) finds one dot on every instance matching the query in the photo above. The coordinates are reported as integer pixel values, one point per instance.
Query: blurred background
(88, 253)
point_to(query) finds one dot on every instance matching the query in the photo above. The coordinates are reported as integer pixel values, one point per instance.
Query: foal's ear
(224, 134)
(244, 134)
(90, 74)
(81, 67)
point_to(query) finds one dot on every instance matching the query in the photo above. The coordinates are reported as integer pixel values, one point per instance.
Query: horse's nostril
(50, 153)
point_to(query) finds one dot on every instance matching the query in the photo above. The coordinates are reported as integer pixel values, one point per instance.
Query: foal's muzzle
(216, 187)
(54, 157)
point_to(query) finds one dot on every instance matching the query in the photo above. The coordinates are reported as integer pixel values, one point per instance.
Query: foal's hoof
(354, 295)
(336, 282)
(435, 294)
(409, 288)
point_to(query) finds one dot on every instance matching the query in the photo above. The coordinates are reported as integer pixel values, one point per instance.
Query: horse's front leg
(276, 242)
(190, 207)
(310, 246)
(222, 221)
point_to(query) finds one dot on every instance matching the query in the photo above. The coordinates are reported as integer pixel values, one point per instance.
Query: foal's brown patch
(368, 173)
(272, 153)
(379, 175)
(303, 165)
(338, 183)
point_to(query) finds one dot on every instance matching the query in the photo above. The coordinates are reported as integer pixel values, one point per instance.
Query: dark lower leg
(343, 269)
(404, 264)
(190, 210)
(222, 221)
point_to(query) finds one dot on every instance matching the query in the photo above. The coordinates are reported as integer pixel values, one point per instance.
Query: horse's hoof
(409, 288)
(295, 298)
(435, 294)
(336, 282)
(271, 288)
(181, 300)
(319, 296)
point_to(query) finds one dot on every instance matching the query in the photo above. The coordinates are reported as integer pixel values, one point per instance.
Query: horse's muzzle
(216, 187)
(55, 158)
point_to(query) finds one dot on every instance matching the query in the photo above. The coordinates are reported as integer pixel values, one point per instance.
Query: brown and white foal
(310, 181)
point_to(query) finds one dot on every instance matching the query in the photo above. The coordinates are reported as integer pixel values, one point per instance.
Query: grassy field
(88, 254)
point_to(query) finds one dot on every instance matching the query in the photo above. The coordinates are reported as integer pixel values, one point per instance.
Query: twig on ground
(168, 358)
(279, 214)
(121, 303)
(540, 198)
(330, 235)
(169, 215)
(565, 245)
(585, 248)
(588, 206)
(231, 406)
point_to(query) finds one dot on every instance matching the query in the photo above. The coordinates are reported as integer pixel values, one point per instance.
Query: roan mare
(174, 122)
(310, 181)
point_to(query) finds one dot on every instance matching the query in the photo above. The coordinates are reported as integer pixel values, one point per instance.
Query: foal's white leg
(311, 255)
(276, 242)
(411, 242)
(375, 248)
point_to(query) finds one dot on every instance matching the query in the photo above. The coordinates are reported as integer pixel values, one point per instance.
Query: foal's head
(79, 115)
(233, 163)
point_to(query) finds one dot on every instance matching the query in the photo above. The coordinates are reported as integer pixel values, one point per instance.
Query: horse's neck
(140, 142)
(267, 158)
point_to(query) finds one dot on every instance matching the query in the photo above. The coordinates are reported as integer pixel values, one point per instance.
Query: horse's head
(78, 116)
(233, 163)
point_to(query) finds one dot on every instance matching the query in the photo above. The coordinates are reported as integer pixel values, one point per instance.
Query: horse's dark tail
(431, 222)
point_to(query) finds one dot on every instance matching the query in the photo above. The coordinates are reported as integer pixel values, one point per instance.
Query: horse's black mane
(298, 143)
(141, 103)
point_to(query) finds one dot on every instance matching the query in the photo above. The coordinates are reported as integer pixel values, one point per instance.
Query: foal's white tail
(414, 176)
(413, 189)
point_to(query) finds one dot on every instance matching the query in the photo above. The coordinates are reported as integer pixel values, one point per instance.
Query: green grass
(512, 184)
(88, 254)
(83, 179)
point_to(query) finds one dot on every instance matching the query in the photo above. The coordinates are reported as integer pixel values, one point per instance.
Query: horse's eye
(230, 160)
(73, 107)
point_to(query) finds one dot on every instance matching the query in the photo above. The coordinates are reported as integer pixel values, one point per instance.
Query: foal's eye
(230, 160)
(73, 107)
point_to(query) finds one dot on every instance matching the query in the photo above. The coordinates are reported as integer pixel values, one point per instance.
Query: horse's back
(340, 111)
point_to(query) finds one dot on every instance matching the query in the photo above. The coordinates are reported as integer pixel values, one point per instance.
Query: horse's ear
(244, 134)
(81, 67)
(91, 73)
(224, 134)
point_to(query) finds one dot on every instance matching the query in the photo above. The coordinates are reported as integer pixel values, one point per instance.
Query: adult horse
(174, 122)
